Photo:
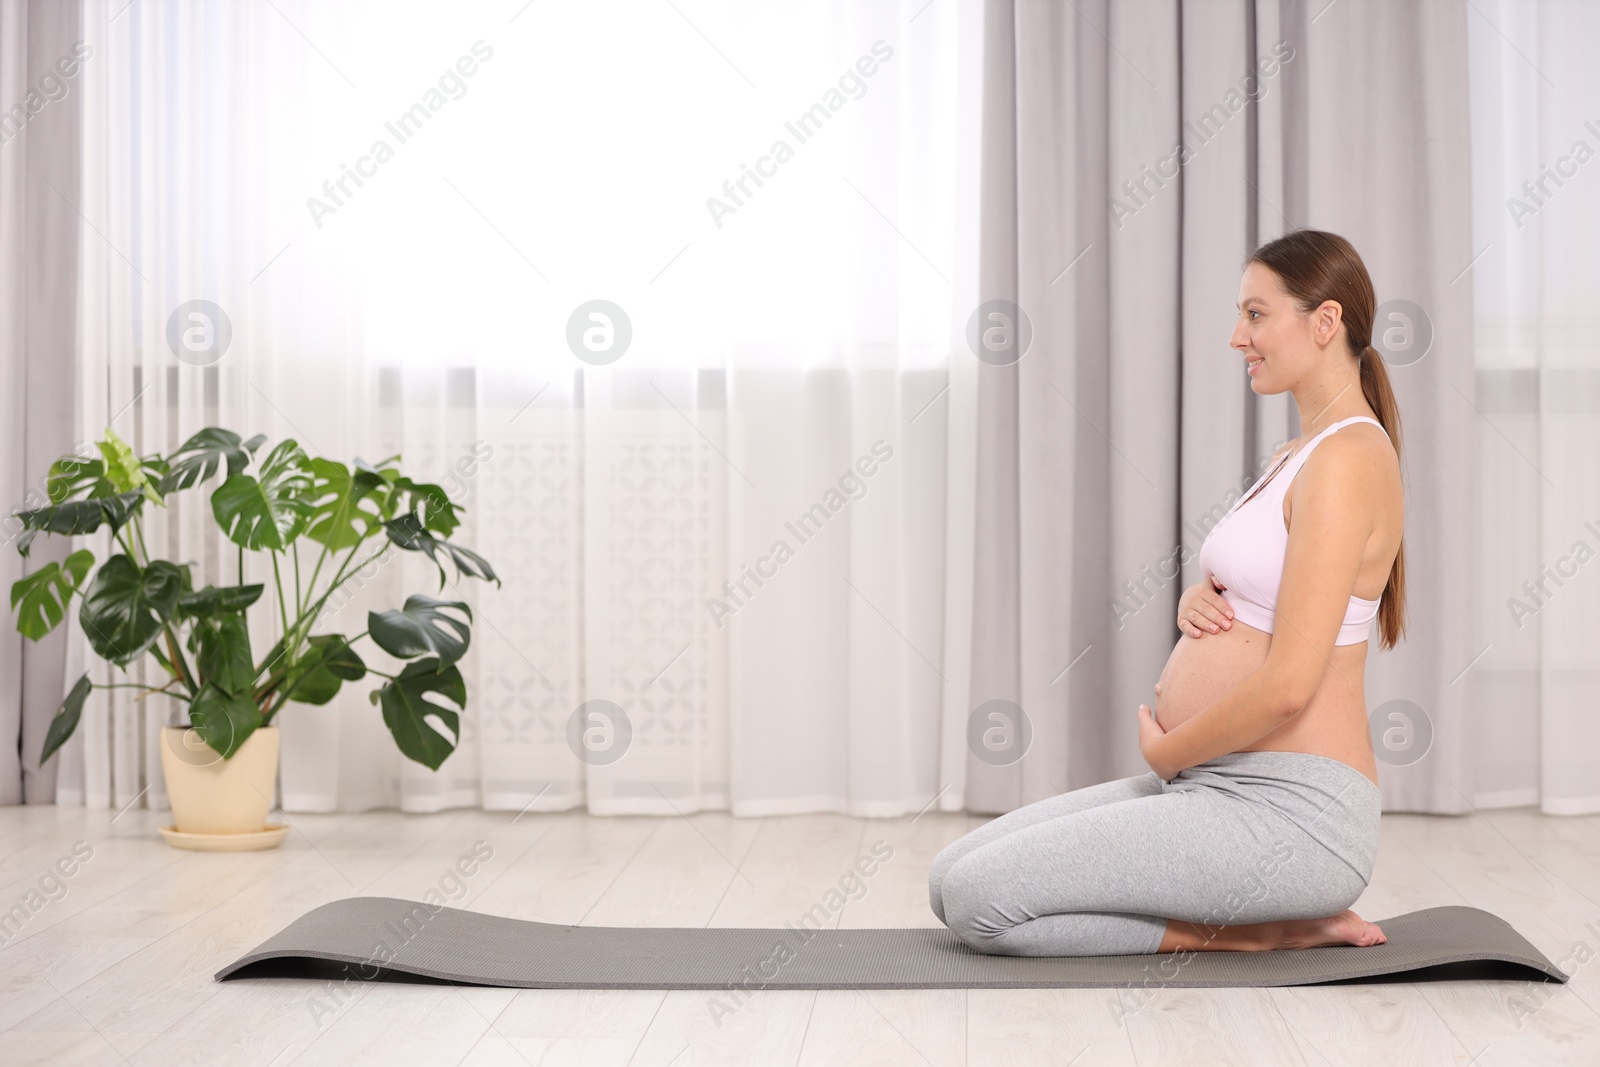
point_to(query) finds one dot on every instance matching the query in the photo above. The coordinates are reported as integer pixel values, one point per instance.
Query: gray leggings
(1244, 838)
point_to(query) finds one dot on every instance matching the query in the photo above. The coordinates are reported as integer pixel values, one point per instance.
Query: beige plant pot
(212, 795)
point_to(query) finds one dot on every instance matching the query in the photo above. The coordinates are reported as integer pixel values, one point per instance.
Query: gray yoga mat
(384, 935)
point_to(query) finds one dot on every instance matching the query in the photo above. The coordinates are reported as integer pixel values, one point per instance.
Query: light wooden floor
(118, 970)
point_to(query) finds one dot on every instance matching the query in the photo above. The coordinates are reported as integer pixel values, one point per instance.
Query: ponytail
(1380, 397)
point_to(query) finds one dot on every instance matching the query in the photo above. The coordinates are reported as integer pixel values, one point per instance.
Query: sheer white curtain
(404, 211)
(1536, 188)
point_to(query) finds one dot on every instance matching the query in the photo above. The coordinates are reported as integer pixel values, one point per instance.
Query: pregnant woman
(1257, 826)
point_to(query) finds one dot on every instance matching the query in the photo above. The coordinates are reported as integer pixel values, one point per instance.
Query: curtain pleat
(41, 95)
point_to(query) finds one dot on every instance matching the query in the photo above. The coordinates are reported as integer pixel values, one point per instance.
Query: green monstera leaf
(386, 469)
(217, 600)
(66, 718)
(407, 709)
(126, 472)
(155, 472)
(338, 519)
(439, 513)
(329, 663)
(271, 512)
(41, 598)
(122, 467)
(423, 627)
(225, 661)
(202, 455)
(223, 720)
(126, 606)
(79, 516)
(75, 475)
(323, 666)
(409, 532)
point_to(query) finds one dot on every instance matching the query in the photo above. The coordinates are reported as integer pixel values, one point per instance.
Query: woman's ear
(1326, 319)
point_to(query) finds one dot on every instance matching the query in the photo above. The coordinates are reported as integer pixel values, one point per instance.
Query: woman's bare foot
(1345, 928)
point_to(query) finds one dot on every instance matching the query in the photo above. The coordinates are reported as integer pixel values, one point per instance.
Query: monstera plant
(293, 507)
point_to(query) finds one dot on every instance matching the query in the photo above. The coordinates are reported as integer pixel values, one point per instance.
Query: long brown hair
(1315, 266)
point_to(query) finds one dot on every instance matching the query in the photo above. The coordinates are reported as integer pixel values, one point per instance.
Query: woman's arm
(1333, 512)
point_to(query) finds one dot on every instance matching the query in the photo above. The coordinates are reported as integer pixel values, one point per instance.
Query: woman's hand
(1202, 609)
(1153, 745)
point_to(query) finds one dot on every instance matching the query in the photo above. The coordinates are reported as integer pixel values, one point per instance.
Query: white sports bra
(1244, 552)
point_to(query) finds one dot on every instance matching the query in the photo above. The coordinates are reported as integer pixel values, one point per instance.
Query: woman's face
(1278, 340)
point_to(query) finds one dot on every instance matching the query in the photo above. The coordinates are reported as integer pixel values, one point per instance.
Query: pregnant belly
(1202, 669)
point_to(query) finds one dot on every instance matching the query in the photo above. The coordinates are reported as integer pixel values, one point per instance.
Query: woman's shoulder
(1357, 450)
(1359, 435)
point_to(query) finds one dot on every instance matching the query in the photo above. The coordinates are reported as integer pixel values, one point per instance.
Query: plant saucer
(271, 837)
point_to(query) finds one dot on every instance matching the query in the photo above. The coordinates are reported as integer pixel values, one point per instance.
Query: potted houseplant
(220, 754)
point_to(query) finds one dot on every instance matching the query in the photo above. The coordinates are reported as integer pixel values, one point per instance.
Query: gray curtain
(1104, 449)
(39, 109)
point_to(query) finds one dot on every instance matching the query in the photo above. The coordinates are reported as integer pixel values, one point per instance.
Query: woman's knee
(1051, 808)
(969, 905)
(940, 869)
(936, 891)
